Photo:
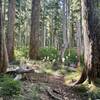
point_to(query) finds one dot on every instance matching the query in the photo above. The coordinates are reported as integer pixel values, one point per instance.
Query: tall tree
(10, 32)
(35, 27)
(64, 22)
(3, 50)
(91, 29)
(78, 41)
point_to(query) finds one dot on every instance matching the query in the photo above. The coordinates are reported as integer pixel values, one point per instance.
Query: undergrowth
(9, 87)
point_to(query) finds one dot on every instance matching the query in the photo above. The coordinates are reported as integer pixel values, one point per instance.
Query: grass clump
(9, 87)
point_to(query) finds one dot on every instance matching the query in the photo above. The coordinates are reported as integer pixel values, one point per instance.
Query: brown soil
(50, 88)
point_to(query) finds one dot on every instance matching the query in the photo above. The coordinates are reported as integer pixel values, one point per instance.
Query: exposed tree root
(82, 78)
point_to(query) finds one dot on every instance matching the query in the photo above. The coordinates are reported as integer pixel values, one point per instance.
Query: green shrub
(22, 52)
(48, 52)
(71, 55)
(8, 86)
(52, 53)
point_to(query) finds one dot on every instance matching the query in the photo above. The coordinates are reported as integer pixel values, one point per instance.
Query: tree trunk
(35, 26)
(3, 50)
(10, 32)
(78, 41)
(68, 21)
(91, 29)
(65, 41)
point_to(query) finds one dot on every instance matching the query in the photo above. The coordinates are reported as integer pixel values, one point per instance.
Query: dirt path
(48, 87)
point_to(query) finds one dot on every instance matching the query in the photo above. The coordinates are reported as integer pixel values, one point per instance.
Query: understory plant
(9, 87)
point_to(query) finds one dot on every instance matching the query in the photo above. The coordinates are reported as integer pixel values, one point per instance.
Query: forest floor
(48, 84)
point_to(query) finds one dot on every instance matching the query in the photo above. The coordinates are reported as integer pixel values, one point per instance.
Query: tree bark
(78, 41)
(10, 32)
(3, 50)
(35, 27)
(64, 22)
(91, 29)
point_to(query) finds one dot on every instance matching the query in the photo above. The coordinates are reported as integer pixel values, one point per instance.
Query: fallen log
(19, 70)
(20, 73)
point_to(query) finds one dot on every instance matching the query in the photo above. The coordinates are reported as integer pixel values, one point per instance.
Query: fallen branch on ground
(53, 95)
(19, 73)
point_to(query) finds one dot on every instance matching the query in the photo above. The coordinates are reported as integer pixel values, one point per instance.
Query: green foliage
(96, 93)
(35, 92)
(52, 53)
(22, 52)
(71, 55)
(8, 86)
(82, 60)
(48, 53)
(81, 89)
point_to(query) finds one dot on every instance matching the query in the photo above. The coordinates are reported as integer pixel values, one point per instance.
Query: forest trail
(46, 45)
(42, 86)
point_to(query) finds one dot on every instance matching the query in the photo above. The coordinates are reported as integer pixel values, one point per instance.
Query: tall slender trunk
(10, 32)
(65, 41)
(35, 28)
(78, 41)
(3, 50)
(68, 21)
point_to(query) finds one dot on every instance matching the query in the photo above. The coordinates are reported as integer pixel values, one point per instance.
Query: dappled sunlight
(49, 49)
(71, 77)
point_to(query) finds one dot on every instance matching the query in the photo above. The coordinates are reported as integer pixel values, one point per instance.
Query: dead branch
(50, 92)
